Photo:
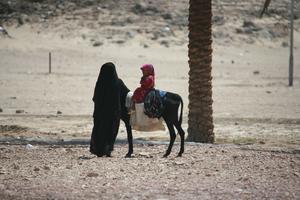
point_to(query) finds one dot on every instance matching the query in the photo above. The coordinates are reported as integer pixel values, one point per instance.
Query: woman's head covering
(106, 94)
(148, 69)
(108, 73)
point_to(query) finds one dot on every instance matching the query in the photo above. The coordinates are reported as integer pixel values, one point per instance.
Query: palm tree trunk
(266, 5)
(200, 120)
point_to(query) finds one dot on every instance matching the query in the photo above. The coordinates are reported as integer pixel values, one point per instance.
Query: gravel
(204, 172)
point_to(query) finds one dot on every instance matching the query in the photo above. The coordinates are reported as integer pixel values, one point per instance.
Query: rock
(97, 44)
(248, 24)
(19, 111)
(118, 23)
(248, 28)
(130, 35)
(139, 8)
(146, 45)
(143, 8)
(248, 31)
(30, 147)
(155, 36)
(20, 21)
(239, 190)
(87, 3)
(1, 110)
(92, 174)
(178, 163)
(59, 112)
(3, 31)
(46, 168)
(165, 43)
(16, 167)
(219, 34)
(13, 97)
(265, 34)
(284, 44)
(268, 92)
(83, 157)
(249, 40)
(218, 20)
(36, 169)
(167, 16)
(256, 72)
(166, 31)
(60, 6)
(129, 20)
(120, 41)
(145, 154)
(68, 167)
(296, 174)
(239, 30)
(251, 25)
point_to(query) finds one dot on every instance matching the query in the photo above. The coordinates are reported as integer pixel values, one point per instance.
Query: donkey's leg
(129, 138)
(181, 133)
(172, 137)
(126, 119)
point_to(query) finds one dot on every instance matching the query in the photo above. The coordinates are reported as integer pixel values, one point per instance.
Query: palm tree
(200, 119)
(266, 5)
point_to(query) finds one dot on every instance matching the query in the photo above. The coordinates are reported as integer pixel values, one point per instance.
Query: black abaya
(107, 111)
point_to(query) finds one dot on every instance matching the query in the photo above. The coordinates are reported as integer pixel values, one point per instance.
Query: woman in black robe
(107, 111)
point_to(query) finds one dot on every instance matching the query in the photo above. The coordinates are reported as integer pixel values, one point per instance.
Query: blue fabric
(162, 93)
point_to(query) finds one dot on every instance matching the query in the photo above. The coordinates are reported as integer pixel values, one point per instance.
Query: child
(147, 83)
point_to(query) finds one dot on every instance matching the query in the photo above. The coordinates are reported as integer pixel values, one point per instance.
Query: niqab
(106, 94)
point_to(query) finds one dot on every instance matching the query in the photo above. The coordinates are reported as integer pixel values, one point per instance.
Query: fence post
(49, 62)
(291, 61)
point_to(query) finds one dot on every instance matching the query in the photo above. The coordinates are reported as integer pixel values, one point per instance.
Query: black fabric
(106, 95)
(107, 110)
(153, 104)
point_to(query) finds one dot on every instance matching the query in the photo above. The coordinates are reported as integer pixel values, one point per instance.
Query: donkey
(171, 103)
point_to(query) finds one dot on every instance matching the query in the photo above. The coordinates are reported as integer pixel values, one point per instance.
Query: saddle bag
(153, 104)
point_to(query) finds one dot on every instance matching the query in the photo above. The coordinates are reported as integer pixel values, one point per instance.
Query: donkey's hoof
(128, 155)
(166, 155)
(179, 155)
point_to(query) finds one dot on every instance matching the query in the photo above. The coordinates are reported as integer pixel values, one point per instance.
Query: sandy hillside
(250, 65)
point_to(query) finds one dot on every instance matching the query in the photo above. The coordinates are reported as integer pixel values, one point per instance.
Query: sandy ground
(204, 172)
(253, 106)
(250, 92)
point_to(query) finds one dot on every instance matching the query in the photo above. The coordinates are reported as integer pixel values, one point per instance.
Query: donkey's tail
(180, 117)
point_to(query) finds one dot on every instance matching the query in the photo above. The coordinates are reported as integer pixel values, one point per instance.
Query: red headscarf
(147, 69)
